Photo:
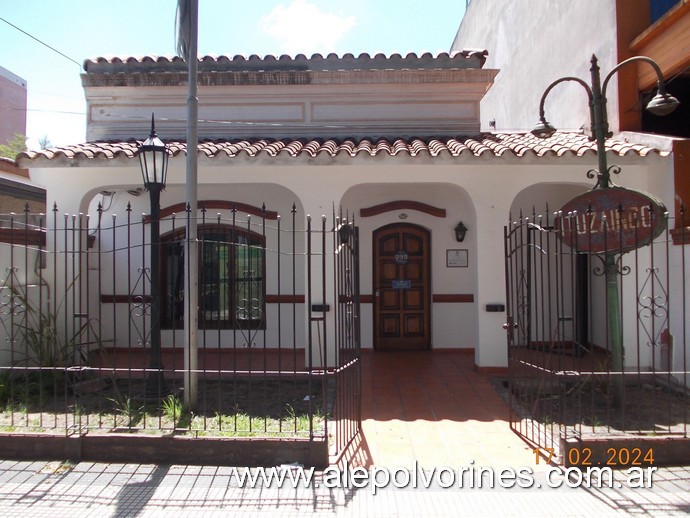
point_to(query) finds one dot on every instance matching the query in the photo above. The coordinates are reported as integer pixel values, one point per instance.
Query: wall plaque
(402, 284)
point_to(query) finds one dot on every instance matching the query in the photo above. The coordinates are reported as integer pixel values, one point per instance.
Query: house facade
(393, 142)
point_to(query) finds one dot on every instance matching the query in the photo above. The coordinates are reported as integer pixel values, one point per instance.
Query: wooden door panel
(389, 271)
(390, 300)
(390, 325)
(414, 271)
(402, 302)
(414, 300)
(414, 325)
(413, 244)
(389, 245)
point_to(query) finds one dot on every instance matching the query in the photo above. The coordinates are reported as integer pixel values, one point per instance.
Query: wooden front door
(402, 292)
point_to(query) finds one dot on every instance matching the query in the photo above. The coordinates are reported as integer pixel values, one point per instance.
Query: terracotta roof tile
(365, 61)
(491, 144)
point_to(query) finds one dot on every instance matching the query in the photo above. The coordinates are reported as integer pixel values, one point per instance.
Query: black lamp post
(153, 156)
(661, 104)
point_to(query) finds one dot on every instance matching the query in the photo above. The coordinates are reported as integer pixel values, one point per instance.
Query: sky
(83, 29)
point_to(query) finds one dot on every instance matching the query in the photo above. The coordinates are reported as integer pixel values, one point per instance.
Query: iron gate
(564, 383)
(347, 416)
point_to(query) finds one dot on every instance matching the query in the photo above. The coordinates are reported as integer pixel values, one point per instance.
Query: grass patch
(231, 408)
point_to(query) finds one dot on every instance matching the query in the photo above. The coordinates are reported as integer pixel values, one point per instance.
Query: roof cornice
(291, 77)
(470, 58)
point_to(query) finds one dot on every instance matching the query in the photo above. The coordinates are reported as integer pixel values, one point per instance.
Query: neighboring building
(20, 200)
(17, 194)
(533, 44)
(12, 105)
(21, 203)
(394, 140)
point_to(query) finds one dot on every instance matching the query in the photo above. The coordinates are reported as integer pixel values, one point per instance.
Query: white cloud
(302, 28)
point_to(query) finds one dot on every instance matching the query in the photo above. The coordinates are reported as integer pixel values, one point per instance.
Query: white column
(492, 215)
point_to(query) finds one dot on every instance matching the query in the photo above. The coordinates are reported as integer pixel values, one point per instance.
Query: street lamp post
(153, 157)
(661, 104)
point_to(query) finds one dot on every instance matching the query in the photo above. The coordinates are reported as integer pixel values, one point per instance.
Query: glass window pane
(173, 284)
(231, 279)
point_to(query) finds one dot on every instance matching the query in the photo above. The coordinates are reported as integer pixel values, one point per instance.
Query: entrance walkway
(435, 409)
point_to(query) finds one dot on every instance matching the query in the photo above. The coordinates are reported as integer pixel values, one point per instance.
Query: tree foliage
(14, 146)
(44, 142)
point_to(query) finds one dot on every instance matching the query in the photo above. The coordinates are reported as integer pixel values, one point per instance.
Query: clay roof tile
(496, 144)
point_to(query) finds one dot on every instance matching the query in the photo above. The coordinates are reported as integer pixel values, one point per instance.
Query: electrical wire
(41, 42)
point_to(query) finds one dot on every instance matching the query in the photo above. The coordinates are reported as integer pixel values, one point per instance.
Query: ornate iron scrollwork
(652, 311)
(140, 307)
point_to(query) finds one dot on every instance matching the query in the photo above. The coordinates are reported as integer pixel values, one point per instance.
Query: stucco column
(491, 348)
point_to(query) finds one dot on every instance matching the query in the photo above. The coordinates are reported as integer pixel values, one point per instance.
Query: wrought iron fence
(566, 313)
(272, 360)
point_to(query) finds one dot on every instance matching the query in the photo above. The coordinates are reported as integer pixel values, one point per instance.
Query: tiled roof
(469, 58)
(485, 144)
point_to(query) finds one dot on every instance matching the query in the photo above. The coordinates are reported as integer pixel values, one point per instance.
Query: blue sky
(82, 29)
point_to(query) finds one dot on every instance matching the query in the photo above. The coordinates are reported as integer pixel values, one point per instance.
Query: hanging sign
(614, 219)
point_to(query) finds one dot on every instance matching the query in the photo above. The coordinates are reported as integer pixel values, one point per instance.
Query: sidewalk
(37, 489)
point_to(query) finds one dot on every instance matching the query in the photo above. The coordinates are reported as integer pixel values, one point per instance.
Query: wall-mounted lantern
(460, 232)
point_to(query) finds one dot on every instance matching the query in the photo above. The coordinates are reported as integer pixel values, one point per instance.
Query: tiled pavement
(434, 407)
(430, 409)
(38, 489)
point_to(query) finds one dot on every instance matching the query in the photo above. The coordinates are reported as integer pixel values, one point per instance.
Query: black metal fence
(272, 358)
(567, 314)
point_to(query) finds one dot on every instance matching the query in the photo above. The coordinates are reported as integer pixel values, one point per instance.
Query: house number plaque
(401, 257)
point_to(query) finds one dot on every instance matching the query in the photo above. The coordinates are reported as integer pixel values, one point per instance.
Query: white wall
(532, 43)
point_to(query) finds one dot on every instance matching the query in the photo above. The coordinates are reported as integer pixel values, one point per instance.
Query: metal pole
(600, 126)
(191, 320)
(612, 289)
(155, 380)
